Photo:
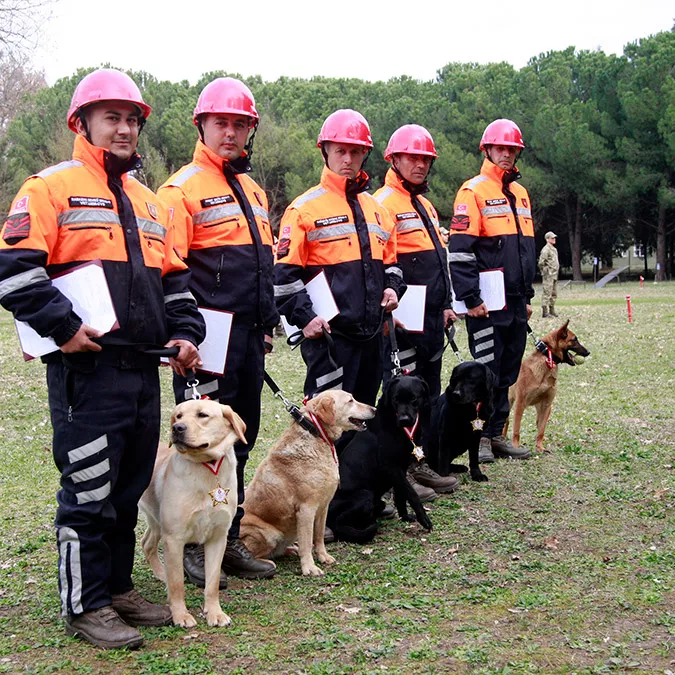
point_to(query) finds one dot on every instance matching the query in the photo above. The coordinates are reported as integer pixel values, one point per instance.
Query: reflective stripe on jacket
(223, 232)
(339, 228)
(419, 248)
(88, 209)
(492, 228)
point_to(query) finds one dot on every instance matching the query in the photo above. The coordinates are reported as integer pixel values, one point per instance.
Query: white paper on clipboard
(491, 283)
(213, 351)
(411, 308)
(87, 289)
(323, 302)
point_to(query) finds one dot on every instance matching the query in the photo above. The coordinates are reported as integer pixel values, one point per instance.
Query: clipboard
(323, 302)
(411, 308)
(491, 284)
(87, 289)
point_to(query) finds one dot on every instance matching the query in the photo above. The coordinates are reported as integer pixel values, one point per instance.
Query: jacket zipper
(92, 227)
(218, 271)
(219, 222)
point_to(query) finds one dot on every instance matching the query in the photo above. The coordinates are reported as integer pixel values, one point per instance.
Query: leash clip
(193, 383)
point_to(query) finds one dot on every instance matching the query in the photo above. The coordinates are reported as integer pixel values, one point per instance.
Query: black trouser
(498, 341)
(359, 366)
(106, 430)
(239, 388)
(416, 351)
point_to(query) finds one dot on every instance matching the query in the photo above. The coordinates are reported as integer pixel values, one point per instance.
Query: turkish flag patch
(17, 228)
(461, 208)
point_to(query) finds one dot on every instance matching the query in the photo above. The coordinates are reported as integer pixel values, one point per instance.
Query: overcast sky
(372, 40)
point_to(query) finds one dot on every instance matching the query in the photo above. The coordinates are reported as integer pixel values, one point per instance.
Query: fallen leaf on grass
(659, 493)
(190, 636)
(349, 610)
(452, 551)
(367, 551)
(516, 610)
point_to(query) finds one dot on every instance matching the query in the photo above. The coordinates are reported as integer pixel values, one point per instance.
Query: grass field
(561, 564)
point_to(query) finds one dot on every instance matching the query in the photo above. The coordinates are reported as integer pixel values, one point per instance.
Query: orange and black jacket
(88, 209)
(223, 232)
(492, 229)
(419, 248)
(339, 228)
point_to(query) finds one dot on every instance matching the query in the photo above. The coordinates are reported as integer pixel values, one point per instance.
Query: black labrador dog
(376, 460)
(457, 420)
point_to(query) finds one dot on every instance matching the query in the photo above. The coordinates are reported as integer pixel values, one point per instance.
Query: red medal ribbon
(322, 431)
(210, 465)
(410, 431)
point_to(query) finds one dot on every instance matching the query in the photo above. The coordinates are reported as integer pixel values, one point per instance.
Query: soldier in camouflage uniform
(549, 266)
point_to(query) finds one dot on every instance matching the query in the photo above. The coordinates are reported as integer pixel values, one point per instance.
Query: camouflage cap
(550, 235)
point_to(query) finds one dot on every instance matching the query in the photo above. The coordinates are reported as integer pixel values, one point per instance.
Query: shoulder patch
(17, 228)
(283, 248)
(21, 206)
(461, 208)
(460, 222)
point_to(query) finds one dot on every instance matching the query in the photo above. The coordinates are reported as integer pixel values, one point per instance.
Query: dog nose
(405, 420)
(179, 428)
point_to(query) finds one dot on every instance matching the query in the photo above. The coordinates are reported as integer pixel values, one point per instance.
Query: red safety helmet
(226, 95)
(502, 132)
(105, 85)
(412, 139)
(345, 126)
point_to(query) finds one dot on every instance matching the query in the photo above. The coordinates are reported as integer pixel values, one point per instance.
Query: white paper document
(491, 283)
(86, 287)
(410, 310)
(213, 351)
(323, 302)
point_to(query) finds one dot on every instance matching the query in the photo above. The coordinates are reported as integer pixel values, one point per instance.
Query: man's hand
(80, 342)
(389, 300)
(188, 356)
(529, 311)
(477, 312)
(449, 317)
(314, 329)
(269, 344)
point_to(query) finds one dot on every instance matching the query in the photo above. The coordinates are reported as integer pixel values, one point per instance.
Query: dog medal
(219, 495)
(477, 424)
(418, 453)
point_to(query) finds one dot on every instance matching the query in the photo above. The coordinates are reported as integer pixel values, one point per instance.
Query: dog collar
(551, 358)
(323, 434)
(417, 451)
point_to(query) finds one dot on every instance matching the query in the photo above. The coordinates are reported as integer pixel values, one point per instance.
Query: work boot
(239, 562)
(424, 493)
(328, 536)
(103, 627)
(485, 455)
(425, 475)
(501, 447)
(193, 567)
(387, 513)
(135, 610)
(544, 312)
(551, 310)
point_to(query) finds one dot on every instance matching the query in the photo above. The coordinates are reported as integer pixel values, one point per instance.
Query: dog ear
(237, 423)
(324, 409)
(562, 331)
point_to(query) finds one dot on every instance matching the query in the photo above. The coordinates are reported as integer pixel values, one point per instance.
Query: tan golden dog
(537, 381)
(188, 502)
(288, 498)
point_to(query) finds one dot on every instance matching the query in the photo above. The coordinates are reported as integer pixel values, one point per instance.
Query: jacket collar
(497, 174)
(207, 159)
(394, 180)
(102, 162)
(334, 182)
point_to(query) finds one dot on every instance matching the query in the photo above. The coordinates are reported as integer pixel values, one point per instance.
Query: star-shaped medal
(477, 424)
(418, 453)
(219, 495)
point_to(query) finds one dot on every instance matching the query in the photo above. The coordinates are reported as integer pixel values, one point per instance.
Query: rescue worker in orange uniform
(223, 233)
(423, 259)
(104, 393)
(338, 228)
(492, 229)
(420, 250)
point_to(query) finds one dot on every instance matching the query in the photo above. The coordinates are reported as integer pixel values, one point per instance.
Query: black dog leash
(292, 409)
(450, 337)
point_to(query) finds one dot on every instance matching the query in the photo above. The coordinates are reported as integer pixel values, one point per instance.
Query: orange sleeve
(466, 217)
(180, 217)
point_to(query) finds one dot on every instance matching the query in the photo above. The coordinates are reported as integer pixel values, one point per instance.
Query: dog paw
(183, 619)
(326, 559)
(409, 518)
(479, 478)
(426, 523)
(312, 571)
(218, 619)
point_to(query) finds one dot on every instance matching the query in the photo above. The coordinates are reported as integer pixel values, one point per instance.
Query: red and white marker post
(642, 281)
(630, 309)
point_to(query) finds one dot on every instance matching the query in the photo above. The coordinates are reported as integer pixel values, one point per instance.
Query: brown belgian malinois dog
(537, 381)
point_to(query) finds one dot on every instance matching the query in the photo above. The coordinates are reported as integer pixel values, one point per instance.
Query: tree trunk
(574, 230)
(661, 245)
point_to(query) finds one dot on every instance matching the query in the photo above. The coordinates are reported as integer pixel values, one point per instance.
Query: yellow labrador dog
(192, 497)
(288, 498)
